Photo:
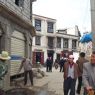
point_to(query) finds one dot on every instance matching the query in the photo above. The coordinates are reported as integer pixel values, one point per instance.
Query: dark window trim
(38, 24)
(65, 41)
(50, 27)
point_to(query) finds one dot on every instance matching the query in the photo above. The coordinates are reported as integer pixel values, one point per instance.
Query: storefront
(17, 51)
(38, 56)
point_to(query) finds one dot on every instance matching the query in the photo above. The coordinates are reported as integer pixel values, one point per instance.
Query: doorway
(38, 57)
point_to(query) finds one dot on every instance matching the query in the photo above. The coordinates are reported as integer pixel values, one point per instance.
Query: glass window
(38, 40)
(50, 42)
(65, 43)
(58, 42)
(19, 3)
(50, 27)
(38, 24)
(74, 44)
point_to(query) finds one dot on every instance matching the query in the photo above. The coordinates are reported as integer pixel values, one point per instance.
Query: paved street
(51, 84)
(54, 81)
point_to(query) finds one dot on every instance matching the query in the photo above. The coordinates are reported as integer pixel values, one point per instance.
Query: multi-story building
(16, 33)
(66, 42)
(44, 41)
(49, 42)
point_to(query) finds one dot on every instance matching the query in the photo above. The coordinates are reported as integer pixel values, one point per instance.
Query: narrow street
(50, 84)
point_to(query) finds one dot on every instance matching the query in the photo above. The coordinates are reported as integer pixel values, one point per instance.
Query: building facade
(49, 42)
(44, 42)
(16, 32)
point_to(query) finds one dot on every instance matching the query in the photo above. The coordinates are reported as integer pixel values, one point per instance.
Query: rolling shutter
(17, 51)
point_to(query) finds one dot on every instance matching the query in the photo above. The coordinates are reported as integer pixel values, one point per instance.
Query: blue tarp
(86, 38)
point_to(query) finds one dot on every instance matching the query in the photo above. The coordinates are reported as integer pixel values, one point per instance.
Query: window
(74, 44)
(50, 42)
(65, 43)
(58, 42)
(38, 40)
(19, 3)
(50, 27)
(38, 24)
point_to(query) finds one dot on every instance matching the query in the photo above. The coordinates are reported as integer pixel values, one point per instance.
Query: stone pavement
(51, 84)
(54, 80)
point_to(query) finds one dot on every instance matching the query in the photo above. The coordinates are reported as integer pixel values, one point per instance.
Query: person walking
(56, 63)
(81, 60)
(61, 63)
(26, 64)
(70, 76)
(89, 75)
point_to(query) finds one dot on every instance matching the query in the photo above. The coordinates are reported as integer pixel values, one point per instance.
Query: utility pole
(92, 3)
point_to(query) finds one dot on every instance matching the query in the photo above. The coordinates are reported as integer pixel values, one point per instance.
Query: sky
(68, 13)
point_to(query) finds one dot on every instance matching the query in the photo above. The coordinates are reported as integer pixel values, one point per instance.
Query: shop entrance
(38, 57)
(58, 56)
(50, 53)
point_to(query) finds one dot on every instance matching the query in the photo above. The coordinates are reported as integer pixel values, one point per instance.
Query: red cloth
(71, 64)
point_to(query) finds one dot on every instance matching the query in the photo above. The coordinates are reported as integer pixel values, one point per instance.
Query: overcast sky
(68, 13)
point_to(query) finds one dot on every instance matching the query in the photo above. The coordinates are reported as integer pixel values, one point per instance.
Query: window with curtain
(38, 25)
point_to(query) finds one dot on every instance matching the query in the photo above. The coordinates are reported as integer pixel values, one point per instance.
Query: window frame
(50, 27)
(58, 42)
(74, 44)
(38, 40)
(38, 24)
(65, 42)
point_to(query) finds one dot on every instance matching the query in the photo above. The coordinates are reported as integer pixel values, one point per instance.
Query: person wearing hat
(70, 76)
(3, 66)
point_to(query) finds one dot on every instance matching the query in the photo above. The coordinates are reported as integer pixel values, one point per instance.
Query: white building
(49, 42)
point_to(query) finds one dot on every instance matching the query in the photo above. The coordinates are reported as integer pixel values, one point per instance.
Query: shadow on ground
(28, 91)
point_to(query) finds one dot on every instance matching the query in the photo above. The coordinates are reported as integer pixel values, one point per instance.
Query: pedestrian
(56, 64)
(89, 74)
(81, 60)
(27, 65)
(51, 61)
(4, 56)
(61, 63)
(48, 64)
(70, 76)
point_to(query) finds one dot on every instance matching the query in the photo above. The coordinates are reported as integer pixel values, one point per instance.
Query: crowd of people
(82, 70)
